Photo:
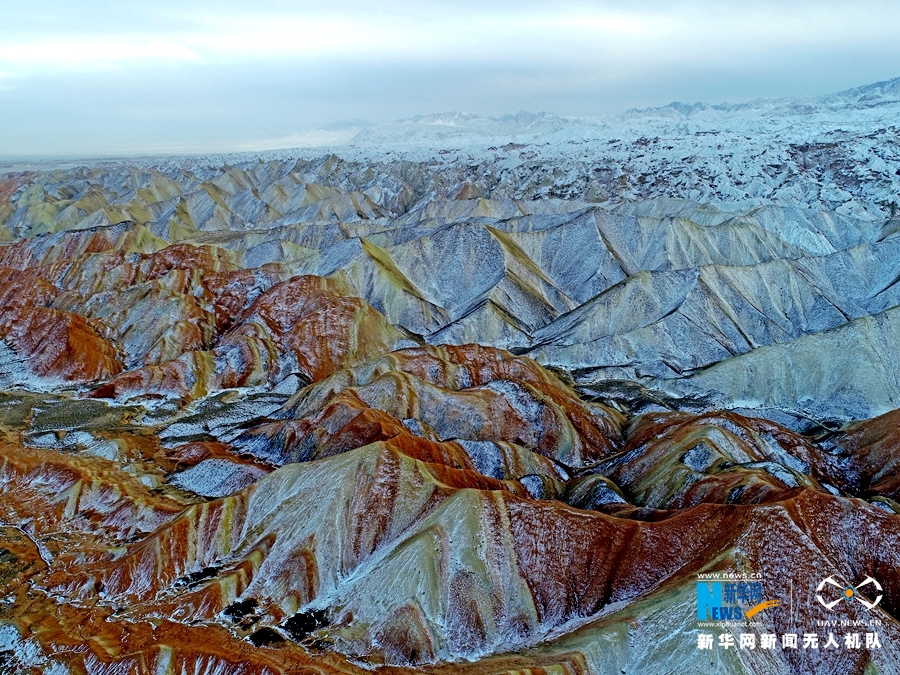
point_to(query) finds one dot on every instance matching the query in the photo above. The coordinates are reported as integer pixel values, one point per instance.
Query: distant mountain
(462, 125)
(866, 96)
(446, 125)
(352, 123)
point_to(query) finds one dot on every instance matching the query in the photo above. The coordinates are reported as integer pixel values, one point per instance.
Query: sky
(81, 78)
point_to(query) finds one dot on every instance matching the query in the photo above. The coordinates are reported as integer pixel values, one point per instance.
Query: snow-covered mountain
(439, 127)
(832, 152)
(838, 153)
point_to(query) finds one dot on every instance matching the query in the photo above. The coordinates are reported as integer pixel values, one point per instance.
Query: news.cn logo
(846, 593)
(723, 601)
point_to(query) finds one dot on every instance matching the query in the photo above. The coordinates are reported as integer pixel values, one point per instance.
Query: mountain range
(466, 394)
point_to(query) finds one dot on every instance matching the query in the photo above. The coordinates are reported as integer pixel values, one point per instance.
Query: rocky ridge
(332, 415)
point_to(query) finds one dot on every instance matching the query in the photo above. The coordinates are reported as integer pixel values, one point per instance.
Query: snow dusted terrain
(463, 394)
(839, 152)
(728, 228)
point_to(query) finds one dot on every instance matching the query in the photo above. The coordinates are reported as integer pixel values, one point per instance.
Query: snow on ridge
(837, 153)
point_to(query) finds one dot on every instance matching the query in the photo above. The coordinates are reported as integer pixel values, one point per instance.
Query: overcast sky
(89, 78)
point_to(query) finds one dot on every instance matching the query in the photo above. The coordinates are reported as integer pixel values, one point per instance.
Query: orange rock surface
(308, 531)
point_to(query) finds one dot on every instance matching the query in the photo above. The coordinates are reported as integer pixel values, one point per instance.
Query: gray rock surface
(217, 477)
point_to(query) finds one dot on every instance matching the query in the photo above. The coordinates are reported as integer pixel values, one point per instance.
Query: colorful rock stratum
(386, 413)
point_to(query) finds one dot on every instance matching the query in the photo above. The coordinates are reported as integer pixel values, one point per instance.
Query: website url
(728, 576)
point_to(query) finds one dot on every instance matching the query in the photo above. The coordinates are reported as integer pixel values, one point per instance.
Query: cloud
(172, 33)
(128, 75)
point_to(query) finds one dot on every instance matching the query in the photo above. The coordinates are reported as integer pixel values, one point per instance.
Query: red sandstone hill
(207, 468)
